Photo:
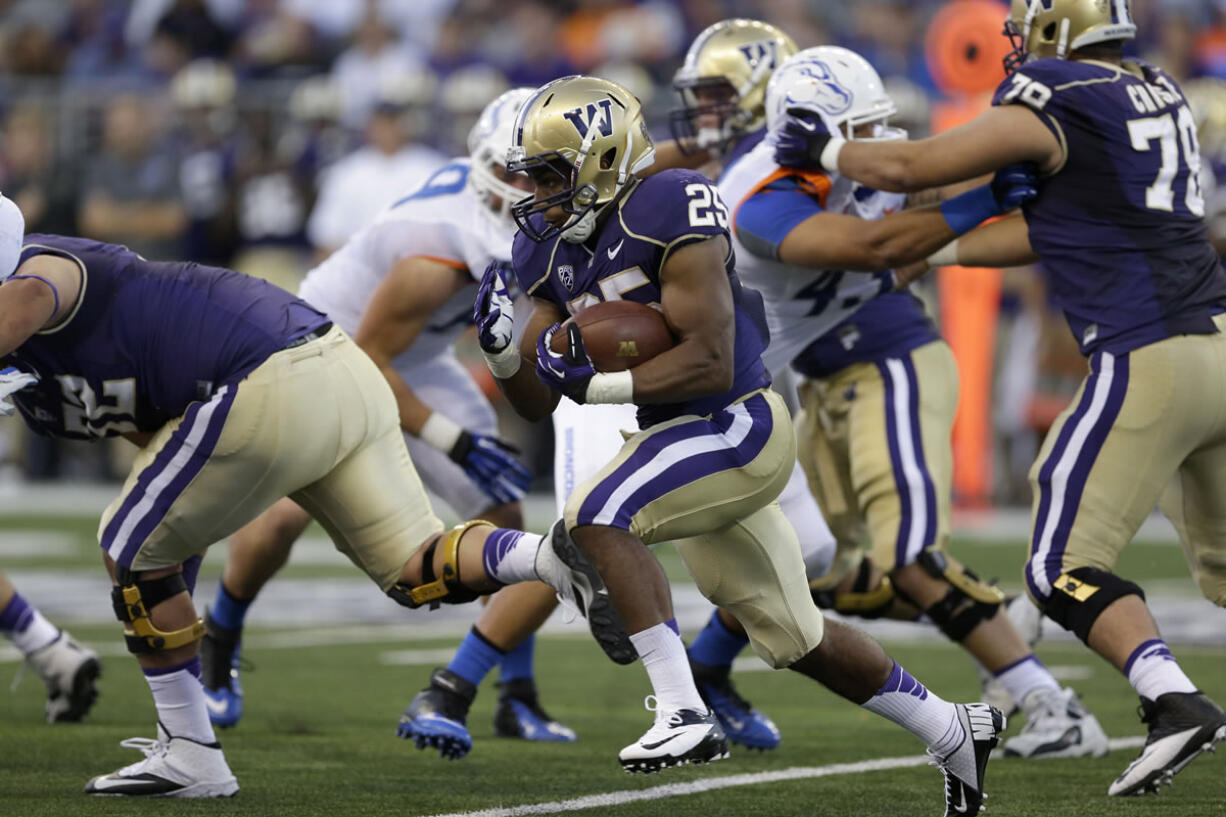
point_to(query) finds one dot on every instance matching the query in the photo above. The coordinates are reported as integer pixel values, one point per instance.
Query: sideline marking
(621, 798)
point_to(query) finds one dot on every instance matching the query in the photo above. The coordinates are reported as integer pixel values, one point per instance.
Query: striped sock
(22, 624)
(1153, 671)
(179, 698)
(910, 704)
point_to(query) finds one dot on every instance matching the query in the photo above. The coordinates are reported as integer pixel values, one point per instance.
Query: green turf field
(318, 736)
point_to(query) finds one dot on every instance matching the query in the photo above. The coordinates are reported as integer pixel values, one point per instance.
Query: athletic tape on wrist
(611, 387)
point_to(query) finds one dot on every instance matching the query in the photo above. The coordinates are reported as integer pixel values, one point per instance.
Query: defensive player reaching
(1118, 224)
(403, 287)
(879, 391)
(68, 670)
(238, 394)
(710, 428)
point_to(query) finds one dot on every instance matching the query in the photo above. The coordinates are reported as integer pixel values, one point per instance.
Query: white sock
(510, 556)
(912, 706)
(663, 655)
(1024, 677)
(179, 698)
(1153, 671)
(36, 635)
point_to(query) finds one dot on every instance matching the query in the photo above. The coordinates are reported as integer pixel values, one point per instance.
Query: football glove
(491, 463)
(1011, 187)
(488, 461)
(494, 314)
(13, 380)
(803, 139)
(569, 372)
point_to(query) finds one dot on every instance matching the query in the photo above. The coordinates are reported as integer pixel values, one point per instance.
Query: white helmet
(837, 84)
(488, 142)
(12, 233)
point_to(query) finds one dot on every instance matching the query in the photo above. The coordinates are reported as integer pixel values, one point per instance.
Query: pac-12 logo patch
(823, 92)
(588, 116)
(566, 274)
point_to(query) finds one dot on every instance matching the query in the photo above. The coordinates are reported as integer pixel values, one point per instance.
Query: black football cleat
(438, 715)
(1182, 725)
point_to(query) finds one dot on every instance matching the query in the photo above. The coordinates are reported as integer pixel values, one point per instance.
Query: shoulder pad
(673, 204)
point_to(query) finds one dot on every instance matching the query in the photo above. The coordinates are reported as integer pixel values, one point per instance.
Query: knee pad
(1079, 597)
(861, 600)
(969, 601)
(132, 600)
(435, 589)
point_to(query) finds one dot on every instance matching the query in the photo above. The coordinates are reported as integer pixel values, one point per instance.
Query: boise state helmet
(487, 147)
(724, 78)
(586, 136)
(12, 233)
(1056, 28)
(839, 85)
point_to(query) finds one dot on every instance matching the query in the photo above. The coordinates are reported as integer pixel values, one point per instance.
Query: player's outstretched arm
(1004, 243)
(398, 311)
(697, 303)
(669, 155)
(40, 293)
(998, 137)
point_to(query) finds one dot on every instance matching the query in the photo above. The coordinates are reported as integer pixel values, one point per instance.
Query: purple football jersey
(1120, 226)
(147, 339)
(664, 213)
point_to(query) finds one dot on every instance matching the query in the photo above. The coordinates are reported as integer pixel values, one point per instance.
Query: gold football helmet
(722, 83)
(584, 137)
(1055, 28)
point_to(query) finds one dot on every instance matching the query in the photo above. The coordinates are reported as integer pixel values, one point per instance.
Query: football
(619, 335)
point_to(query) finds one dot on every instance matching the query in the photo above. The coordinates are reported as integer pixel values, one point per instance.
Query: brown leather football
(619, 335)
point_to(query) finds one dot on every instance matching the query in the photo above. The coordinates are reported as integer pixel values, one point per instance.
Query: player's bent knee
(134, 599)
(1079, 597)
(440, 586)
(866, 598)
(969, 601)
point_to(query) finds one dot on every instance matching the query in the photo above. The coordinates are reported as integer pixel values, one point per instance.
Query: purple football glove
(802, 139)
(569, 372)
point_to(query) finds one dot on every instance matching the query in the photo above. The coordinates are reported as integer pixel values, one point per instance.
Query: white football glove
(13, 380)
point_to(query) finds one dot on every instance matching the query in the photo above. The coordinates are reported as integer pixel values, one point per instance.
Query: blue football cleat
(437, 716)
(742, 723)
(519, 715)
(219, 665)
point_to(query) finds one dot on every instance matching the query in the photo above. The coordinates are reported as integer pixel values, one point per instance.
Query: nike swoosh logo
(615, 249)
(809, 126)
(961, 807)
(215, 706)
(657, 745)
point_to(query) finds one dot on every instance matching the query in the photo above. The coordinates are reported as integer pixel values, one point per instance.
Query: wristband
(611, 387)
(441, 432)
(830, 154)
(947, 256)
(966, 212)
(503, 365)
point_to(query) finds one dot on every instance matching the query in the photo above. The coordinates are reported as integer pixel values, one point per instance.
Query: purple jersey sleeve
(676, 208)
(1033, 85)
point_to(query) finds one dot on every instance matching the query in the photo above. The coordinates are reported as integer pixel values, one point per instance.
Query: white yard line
(620, 798)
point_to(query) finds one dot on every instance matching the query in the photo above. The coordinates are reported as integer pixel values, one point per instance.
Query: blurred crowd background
(260, 134)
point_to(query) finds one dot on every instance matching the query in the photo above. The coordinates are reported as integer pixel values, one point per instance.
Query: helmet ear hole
(1049, 32)
(608, 158)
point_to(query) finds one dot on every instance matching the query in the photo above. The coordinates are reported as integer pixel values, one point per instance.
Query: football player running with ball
(710, 427)
(1118, 224)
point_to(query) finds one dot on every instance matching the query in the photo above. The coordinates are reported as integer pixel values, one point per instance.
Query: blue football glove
(1011, 187)
(802, 139)
(494, 314)
(492, 464)
(569, 372)
(1014, 185)
(13, 380)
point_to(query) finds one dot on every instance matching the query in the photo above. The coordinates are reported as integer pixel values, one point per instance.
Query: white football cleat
(173, 767)
(69, 671)
(1057, 725)
(561, 564)
(676, 738)
(965, 767)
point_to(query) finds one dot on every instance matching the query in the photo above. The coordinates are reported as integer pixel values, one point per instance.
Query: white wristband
(830, 154)
(441, 432)
(611, 387)
(947, 256)
(503, 365)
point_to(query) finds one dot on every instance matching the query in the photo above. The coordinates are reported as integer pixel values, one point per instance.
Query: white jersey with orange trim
(802, 304)
(441, 220)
